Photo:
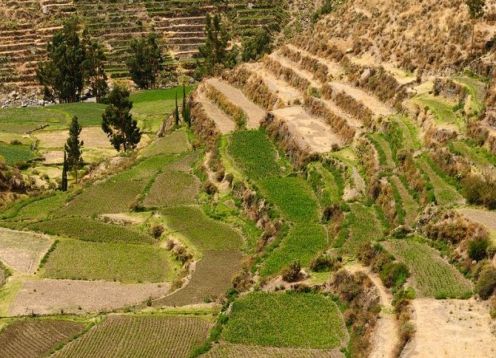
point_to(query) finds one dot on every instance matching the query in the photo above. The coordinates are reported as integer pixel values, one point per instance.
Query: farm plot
(432, 275)
(172, 188)
(363, 226)
(22, 250)
(409, 204)
(202, 232)
(93, 137)
(139, 336)
(49, 296)
(16, 153)
(442, 110)
(327, 185)
(130, 263)
(36, 337)
(22, 120)
(38, 208)
(173, 143)
(255, 154)
(445, 193)
(293, 197)
(129, 184)
(211, 279)
(87, 229)
(229, 350)
(286, 320)
(302, 244)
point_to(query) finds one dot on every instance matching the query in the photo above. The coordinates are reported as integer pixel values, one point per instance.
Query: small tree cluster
(72, 63)
(146, 60)
(258, 45)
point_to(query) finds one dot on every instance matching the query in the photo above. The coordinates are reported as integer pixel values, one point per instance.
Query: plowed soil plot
(139, 336)
(228, 350)
(35, 337)
(52, 296)
(22, 250)
(211, 279)
(451, 328)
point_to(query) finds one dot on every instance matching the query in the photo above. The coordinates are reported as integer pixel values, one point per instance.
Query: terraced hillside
(180, 24)
(334, 199)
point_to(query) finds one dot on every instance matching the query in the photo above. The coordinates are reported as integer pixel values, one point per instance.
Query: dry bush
(449, 89)
(480, 188)
(203, 126)
(286, 74)
(338, 124)
(235, 112)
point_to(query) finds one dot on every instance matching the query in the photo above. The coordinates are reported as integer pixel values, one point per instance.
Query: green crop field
(87, 229)
(303, 242)
(35, 209)
(325, 184)
(443, 111)
(203, 232)
(286, 320)
(129, 263)
(432, 275)
(172, 188)
(173, 143)
(293, 197)
(140, 336)
(16, 153)
(363, 226)
(255, 154)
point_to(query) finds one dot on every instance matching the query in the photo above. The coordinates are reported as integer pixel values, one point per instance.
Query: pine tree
(176, 113)
(63, 184)
(63, 73)
(94, 66)
(146, 60)
(73, 147)
(185, 109)
(118, 122)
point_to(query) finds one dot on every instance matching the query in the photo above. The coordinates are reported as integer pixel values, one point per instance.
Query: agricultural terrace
(432, 276)
(286, 320)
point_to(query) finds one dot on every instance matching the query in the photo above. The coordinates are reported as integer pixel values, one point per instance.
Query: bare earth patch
(23, 250)
(308, 131)
(91, 136)
(51, 296)
(254, 113)
(229, 350)
(483, 217)
(222, 121)
(451, 328)
(386, 331)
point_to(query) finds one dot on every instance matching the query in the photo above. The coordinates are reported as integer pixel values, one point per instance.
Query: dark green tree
(256, 46)
(176, 113)
(186, 109)
(63, 73)
(146, 60)
(63, 184)
(94, 67)
(118, 122)
(215, 52)
(73, 147)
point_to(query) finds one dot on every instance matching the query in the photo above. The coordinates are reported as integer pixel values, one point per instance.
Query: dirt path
(50, 296)
(255, 113)
(386, 331)
(285, 92)
(222, 120)
(308, 131)
(451, 328)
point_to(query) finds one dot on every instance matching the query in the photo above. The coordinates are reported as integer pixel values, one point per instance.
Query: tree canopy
(146, 60)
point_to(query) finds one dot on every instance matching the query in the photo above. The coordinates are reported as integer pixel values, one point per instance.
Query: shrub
(292, 273)
(477, 249)
(487, 282)
(157, 231)
(394, 274)
(325, 262)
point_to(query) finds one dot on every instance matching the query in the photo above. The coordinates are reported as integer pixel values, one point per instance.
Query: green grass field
(363, 226)
(129, 263)
(173, 143)
(444, 192)
(292, 197)
(172, 188)
(303, 243)
(480, 156)
(286, 320)
(432, 275)
(14, 154)
(325, 184)
(37, 208)
(88, 229)
(255, 154)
